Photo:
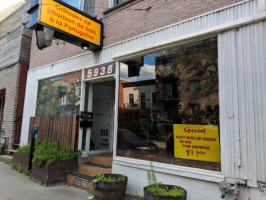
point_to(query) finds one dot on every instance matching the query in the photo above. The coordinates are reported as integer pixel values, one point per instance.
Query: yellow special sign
(65, 19)
(197, 142)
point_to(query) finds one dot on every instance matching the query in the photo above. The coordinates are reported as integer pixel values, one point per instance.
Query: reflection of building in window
(194, 109)
(131, 99)
(164, 101)
(117, 2)
(168, 90)
(167, 68)
(86, 6)
(143, 100)
(136, 94)
(154, 97)
(194, 85)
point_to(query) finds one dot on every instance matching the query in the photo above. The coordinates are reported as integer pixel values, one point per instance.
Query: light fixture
(44, 37)
(85, 46)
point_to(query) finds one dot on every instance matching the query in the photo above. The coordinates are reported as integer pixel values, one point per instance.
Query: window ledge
(201, 174)
(117, 6)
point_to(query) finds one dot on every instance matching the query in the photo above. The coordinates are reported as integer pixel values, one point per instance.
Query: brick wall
(9, 79)
(128, 21)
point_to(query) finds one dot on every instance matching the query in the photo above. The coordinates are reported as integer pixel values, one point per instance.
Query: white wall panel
(242, 63)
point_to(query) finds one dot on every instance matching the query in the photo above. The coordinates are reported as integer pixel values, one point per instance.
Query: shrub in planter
(51, 164)
(109, 186)
(21, 157)
(159, 191)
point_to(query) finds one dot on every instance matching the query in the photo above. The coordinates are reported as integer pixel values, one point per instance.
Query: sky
(7, 3)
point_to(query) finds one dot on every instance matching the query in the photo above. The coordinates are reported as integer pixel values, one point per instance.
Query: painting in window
(59, 96)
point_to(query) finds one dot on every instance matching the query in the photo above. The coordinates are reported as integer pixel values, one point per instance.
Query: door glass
(102, 115)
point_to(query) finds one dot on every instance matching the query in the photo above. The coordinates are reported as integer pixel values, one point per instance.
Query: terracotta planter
(111, 190)
(21, 159)
(54, 173)
(150, 196)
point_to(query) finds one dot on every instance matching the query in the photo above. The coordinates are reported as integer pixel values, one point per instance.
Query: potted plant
(109, 186)
(51, 164)
(158, 191)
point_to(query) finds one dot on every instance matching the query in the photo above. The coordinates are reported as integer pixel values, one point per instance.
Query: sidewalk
(16, 186)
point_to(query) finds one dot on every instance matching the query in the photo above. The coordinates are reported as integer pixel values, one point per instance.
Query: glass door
(102, 108)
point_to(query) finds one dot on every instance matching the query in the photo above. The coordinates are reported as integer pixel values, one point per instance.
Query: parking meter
(33, 136)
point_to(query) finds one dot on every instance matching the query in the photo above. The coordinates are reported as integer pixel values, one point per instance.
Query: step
(80, 180)
(102, 159)
(91, 169)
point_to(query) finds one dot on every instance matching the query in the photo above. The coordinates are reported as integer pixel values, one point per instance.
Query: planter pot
(111, 190)
(21, 159)
(150, 196)
(55, 172)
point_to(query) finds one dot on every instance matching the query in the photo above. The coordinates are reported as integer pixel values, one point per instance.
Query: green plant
(24, 149)
(105, 178)
(20, 168)
(26, 171)
(47, 152)
(160, 189)
(151, 176)
(8, 162)
(13, 166)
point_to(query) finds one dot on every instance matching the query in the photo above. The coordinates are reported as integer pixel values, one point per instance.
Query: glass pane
(59, 96)
(74, 3)
(166, 110)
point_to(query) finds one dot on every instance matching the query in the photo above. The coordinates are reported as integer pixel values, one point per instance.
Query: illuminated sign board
(197, 142)
(69, 23)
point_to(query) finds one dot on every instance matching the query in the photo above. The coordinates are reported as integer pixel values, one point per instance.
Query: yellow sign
(197, 142)
(67, 20)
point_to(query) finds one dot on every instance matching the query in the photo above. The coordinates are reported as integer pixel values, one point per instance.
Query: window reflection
(177, 86)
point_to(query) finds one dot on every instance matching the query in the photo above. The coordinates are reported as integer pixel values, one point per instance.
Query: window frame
(214, 176)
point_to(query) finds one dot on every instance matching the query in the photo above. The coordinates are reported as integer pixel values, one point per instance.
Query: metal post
(33, 136)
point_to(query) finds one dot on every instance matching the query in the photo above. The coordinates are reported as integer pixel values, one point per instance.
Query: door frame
(86, 103)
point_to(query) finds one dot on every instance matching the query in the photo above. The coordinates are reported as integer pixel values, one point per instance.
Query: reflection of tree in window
(194, 109)
(196, 67)
(194, 85)
(167, 68)
(168, 90)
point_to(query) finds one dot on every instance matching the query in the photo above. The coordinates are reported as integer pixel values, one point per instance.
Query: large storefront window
(169, 106)
(59, 96)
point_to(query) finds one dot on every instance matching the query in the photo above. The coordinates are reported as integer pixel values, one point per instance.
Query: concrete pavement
(17, 186)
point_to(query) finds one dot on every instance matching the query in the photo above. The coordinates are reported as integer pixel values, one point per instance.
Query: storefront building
(186, 95)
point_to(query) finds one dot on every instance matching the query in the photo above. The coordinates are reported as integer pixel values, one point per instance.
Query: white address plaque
(100, 71)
